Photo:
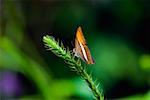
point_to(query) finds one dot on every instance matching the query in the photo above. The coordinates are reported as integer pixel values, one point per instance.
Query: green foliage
(58, 49)
(12, 58)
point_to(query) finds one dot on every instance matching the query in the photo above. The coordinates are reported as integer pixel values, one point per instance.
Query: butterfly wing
(82, 48)
(78, 51)
(80, 36)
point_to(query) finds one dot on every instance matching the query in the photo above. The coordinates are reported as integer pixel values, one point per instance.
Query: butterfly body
(81, 49)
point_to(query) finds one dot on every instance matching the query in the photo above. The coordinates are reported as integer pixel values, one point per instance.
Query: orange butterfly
(81, 49)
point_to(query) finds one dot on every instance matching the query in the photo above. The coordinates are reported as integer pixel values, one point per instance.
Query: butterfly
(81, 49)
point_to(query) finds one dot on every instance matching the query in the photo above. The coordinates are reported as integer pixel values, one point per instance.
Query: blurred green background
(118, 35)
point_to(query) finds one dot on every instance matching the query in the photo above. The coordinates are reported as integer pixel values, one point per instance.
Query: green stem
(82, 72)
(69, 58)
(91, 84)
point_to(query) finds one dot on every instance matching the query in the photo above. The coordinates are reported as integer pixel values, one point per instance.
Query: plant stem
(83, 73)
(91, 84)
(75, 65)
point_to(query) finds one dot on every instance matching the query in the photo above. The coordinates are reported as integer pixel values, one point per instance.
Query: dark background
(117, 32)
